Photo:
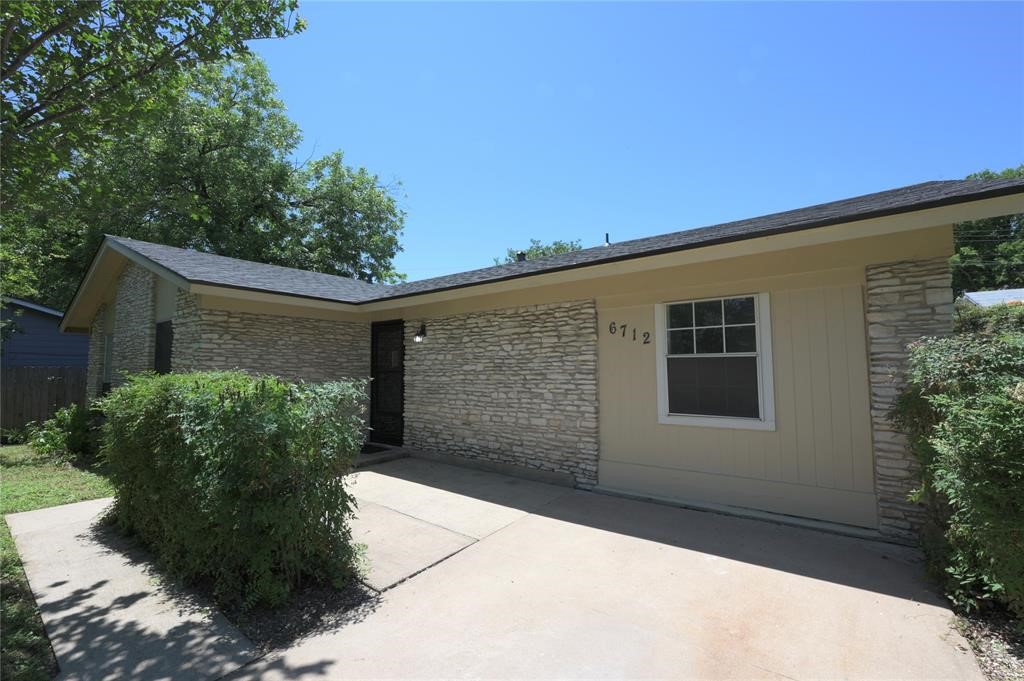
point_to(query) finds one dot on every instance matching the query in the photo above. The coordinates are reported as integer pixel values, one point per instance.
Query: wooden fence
(35, 393)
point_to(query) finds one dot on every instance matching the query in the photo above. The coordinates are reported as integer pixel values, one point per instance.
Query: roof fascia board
(272, 298)
(858, 229)
(785, 238)
(29, 305)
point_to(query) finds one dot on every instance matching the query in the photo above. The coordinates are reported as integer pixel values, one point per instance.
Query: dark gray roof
(206, 268)
(212, 269)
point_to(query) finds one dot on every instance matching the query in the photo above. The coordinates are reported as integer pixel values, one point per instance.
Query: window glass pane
(708, 313)
(680, 342)
(740, 339)
(680, 315)
(709, 340)
(739, 311)
(713, 386)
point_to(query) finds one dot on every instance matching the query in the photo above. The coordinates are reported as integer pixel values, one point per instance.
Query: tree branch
(172, 54)
(73, 16)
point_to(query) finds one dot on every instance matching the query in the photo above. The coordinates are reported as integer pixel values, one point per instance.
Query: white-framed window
(715, 362)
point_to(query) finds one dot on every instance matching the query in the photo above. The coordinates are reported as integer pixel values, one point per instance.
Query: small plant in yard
(65, 437)
(236, 481)
(963, 412)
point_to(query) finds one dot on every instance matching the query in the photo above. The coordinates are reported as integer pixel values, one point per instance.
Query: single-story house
(746, 366)
(36, 339)
(990, 298)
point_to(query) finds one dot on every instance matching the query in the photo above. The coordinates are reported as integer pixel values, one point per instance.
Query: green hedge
(236, 480)
(989, 320)
(964, 414)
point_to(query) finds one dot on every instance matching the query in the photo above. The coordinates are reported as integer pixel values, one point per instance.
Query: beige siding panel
(860, 400)
(802, 417)
(785, 385)
(818, 461)
(839, 394)
(821, 390)
(839, 506)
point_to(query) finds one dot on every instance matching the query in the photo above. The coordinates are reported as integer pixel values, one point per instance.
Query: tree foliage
(212, 172)
(538, 249)
(76, 72)
(989, 253)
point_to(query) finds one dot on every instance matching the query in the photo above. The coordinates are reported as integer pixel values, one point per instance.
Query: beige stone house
(746, 367)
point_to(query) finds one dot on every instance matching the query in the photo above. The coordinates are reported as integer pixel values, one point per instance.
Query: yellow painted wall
(818, 462)
(822, 439)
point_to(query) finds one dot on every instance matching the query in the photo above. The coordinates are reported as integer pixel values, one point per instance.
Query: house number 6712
(624, 329)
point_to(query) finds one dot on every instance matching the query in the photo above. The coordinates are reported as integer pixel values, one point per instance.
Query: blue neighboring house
(37, 340)
(990, 298)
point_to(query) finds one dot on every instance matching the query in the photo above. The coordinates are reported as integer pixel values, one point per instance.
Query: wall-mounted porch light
(421, 334)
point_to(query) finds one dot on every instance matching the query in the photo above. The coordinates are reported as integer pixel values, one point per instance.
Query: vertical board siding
(822, 443)
(859, 390)
(30, 394)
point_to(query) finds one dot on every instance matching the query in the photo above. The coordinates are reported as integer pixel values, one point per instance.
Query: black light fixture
(421, 334)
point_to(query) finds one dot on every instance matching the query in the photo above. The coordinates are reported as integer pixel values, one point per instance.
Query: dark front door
(387, 359)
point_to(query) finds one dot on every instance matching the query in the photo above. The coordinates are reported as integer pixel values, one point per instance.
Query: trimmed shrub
(963, 412)
(989, 320)
(236, 480)
(65, 437)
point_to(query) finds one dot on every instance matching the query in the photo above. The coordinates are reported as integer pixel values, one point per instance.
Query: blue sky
(506, 122)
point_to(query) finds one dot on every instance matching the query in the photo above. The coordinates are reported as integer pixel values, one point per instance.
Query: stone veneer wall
(97, 347)
(905, 301)
(296, 348)
(134, 329)
(516, 386)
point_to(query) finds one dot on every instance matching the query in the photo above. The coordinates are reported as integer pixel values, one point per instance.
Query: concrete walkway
(106, 614)
(486, 576)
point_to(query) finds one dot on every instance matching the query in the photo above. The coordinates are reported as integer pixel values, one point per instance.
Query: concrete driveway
(486, 576)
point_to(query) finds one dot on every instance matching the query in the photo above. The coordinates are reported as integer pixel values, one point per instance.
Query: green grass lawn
(28, 482)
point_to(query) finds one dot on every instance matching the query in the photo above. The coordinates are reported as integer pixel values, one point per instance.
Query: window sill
(716, 422)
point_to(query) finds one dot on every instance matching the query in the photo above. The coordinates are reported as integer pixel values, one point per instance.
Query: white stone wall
(134, 329)
(97, 348)
(515, 386)
(905, 301)
(294, 348)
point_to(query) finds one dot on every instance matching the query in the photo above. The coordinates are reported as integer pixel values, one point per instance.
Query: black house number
(627, 331)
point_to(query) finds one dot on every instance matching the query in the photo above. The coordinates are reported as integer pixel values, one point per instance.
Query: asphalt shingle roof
(206, 268)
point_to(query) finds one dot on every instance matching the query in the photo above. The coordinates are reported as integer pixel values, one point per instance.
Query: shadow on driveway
(850, 561)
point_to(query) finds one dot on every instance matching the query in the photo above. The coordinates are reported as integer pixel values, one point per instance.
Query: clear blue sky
(506, 122)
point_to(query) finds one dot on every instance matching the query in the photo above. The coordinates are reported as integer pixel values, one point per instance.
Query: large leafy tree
(989, 253)
(212, 172)
(539, 249)
(74, 72)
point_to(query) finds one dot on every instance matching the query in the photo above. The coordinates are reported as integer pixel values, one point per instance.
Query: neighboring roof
(28, 304)
(206, 268)
(989, 298)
